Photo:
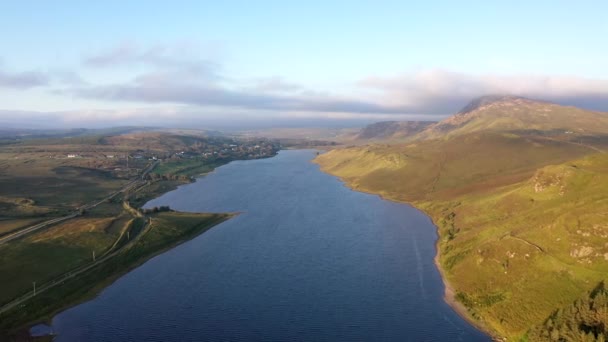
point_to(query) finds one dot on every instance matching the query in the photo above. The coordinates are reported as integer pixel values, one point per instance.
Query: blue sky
(198, 62)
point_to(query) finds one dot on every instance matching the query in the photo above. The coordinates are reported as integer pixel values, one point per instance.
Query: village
(124, 162)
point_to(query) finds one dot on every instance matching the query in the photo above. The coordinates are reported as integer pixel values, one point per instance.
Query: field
(43, 256)
(10, 225)
(167, 230)
(190, 167)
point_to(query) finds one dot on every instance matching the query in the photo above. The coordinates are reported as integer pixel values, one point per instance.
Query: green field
(188, 167)
(167, 230)
(43, 256)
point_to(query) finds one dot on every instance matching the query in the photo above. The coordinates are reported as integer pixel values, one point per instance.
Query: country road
(71, 274)
(31, 229)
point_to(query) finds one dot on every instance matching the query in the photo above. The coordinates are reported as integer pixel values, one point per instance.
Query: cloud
(182, 75)
(212, 95)
(177, 75)
(187, 117)
(32, 79)
(67, 78)
(23, 80)
(121, 54)
(426, 92)
(442, 92)
(129, 53)
(182, 57)
(276, 84)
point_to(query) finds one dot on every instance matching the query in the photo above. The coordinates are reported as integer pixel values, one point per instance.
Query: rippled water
(307, 260)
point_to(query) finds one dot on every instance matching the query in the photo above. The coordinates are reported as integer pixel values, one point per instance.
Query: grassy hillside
(437, 169)
(521, 215)
(517, 114)
(518, 252)
(392, 130)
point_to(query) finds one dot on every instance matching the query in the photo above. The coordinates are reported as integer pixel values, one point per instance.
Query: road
(134, 183)
(71, 274)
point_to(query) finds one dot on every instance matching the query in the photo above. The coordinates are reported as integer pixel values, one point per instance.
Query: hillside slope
(518, 114)
(392, 130)
(521, 212)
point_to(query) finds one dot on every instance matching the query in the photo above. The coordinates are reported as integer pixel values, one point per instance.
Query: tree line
(169, 176)
(585, 320)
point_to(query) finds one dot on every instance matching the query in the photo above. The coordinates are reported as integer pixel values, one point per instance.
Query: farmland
(94, 187)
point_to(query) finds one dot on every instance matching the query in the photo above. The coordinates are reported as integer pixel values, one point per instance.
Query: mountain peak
(509, 113)
(483, 101)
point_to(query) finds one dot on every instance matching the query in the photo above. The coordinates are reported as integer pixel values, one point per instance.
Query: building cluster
(248, 149)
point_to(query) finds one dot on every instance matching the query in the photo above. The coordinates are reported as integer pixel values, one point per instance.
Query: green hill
(518, 114)
(520, 203)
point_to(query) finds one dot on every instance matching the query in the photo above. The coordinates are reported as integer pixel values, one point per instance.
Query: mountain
(392, 129)
(517, 189)
(504, 113)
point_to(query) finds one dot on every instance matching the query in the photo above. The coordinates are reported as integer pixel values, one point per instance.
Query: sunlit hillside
(521, 212)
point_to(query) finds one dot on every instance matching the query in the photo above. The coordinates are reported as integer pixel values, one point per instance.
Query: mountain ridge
(508, 113)
(392, 129)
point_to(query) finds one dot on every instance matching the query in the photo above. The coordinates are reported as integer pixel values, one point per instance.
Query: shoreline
(449, 294)
(95, 290)
(22, 332)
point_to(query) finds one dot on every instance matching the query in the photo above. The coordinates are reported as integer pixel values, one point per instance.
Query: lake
(306, 260)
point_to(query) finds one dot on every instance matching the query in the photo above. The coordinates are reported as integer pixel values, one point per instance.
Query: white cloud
(441, 91)
(23, 80)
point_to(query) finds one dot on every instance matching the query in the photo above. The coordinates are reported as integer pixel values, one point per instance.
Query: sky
(288, 63)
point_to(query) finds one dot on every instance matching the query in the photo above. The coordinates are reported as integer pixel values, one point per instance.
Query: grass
(43, 256)
(168, 229)
(187, 167)
(522, 219)
(52, 184)
(153, 190)
(439, 169)
(9, 225)
(520, 115)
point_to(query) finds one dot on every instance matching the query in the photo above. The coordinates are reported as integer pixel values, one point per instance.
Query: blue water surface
(307, 260)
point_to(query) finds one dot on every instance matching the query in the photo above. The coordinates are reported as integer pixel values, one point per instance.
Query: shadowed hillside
(392, 130)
